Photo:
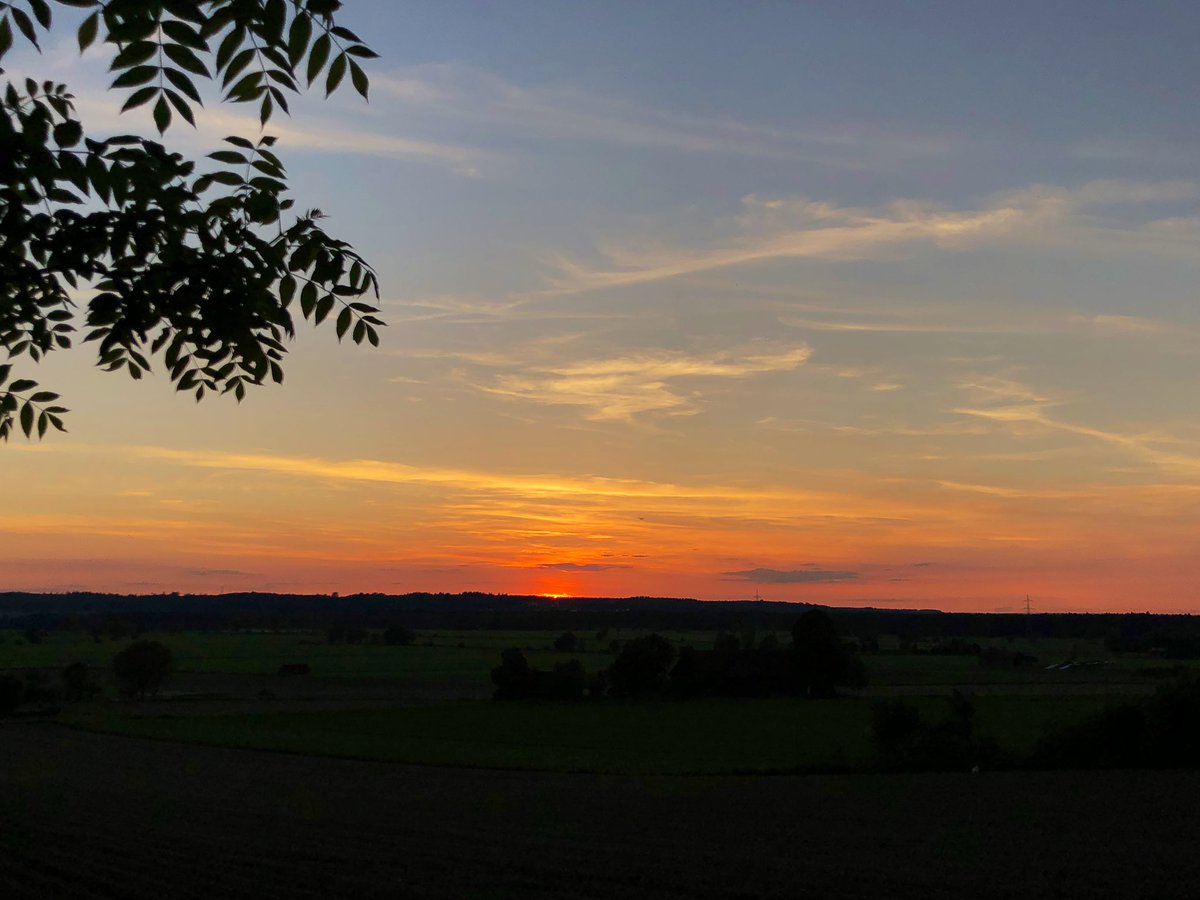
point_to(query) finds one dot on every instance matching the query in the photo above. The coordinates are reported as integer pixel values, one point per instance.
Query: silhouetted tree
(398, 635)
(566, 642)
(641, 667)
(820, 660)
(566, 681)
(142, 667)
(687, 679)
(726, 643)
(904, 740)
(513, 678)
(894, 726)
(597, 685)
(12, 692)
(77, 683)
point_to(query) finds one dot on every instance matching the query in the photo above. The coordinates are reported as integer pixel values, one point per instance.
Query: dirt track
(85, 815)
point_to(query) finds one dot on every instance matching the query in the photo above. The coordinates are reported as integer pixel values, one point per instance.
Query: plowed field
(91, 815)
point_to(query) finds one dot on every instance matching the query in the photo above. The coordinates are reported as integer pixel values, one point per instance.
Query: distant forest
(1174, 636)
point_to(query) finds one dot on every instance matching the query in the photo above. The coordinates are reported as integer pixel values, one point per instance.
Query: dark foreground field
(91, 815)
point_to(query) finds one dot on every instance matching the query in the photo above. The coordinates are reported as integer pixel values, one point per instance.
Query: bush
(513, 678)
(566, 681)
(12, 693)
(641, 667)
(566, 642)
(77, 684)
(903, 740)
(1160, 732)
(142, 667)
(821, 661)
(399, 636)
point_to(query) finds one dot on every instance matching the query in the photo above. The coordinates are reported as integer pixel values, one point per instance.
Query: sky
(866, 304)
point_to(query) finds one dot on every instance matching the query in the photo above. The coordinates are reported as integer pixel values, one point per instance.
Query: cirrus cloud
(763, 575)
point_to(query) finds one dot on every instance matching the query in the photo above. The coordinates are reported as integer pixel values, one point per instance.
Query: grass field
(651, 737)
(406, 704)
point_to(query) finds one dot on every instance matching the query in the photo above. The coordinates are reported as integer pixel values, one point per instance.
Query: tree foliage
(820, 658)
(142, 667)
(201, 265)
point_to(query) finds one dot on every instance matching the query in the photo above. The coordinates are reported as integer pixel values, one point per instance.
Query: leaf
(41, 9)
(27, 420)
(134, 54)
(181, 106)
(26, 25)
(236, 65)
(228, 156)
(337, 69)
(308, 299)
(43, 397)
(6, 37)
(228, 46)
(345, 317)
(298, 37)
(185, 58)
(135, 76)
(359, 79)
(273, 16)
(21, 385)
(139, 97)
(87, 31)
(182, 33)
(182, 82)
(162, 115)
(362, 52)
(324, 305)
(317, 56)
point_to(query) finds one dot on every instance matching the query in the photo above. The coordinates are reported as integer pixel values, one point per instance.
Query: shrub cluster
(515, 679)
(814, 665)
(904, 740)
(1160, 732)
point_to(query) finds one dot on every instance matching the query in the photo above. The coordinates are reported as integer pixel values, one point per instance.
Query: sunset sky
(854, 303)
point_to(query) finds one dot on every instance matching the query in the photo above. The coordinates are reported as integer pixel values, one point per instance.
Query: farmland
(387, 769)
(426, 703)
(93, 815)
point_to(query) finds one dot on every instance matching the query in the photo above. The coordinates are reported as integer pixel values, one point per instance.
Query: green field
(652, 737)
(399, 703)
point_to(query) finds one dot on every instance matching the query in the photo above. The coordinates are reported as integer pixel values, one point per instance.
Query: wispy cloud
(794, 576)
(773, 228)
(1025, 410)
(569, 113)
(101, 111)
(621, 388)
(580, 567)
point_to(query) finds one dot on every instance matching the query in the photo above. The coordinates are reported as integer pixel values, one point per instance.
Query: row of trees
(815, 663)
(139, 669)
